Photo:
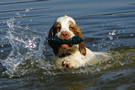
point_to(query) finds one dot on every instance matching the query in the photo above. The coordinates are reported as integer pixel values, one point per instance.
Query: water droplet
(111, 37)
(28, 9)
(112, 33)
(18, 14)
(94, 45)
(2, 45)
(27, 27)
(2, 51)
(30, 20)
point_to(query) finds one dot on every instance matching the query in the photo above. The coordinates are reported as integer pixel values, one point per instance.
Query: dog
(71, 56)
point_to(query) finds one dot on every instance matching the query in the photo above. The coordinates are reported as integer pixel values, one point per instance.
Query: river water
(26, 59)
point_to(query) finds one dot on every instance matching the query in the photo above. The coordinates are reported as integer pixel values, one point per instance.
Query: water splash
(26, 45)
(111, 34)
(28, 9)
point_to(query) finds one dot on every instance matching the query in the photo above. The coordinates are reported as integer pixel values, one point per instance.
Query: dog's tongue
(64, 46)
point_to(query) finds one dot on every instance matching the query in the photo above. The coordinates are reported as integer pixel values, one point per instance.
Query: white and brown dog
(72, 56)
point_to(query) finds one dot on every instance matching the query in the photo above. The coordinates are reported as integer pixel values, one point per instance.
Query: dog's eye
(71, 28)
(58, 28)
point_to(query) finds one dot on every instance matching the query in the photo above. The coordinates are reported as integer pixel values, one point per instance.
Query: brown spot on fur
(77, 31)
(54, 29)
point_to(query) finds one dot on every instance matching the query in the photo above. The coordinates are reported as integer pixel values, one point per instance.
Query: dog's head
(65, 28)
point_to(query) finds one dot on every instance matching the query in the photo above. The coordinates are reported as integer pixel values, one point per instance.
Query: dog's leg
(66, 63)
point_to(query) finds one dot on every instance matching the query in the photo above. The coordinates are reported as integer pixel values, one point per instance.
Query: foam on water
(26, 45)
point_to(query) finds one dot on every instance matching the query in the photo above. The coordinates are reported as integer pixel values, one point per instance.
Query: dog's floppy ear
(51, 31)
(82, 48)
(50, 34)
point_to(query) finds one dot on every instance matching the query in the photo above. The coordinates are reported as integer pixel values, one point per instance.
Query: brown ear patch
(82, 48)
(52, 32)
(77, 31)
(54, 29)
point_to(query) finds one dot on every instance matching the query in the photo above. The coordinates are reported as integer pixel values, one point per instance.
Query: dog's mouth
(65, 46)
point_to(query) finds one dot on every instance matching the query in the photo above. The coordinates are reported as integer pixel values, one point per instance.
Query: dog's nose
(64, 33)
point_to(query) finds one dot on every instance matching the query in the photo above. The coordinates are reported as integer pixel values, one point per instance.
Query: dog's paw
(66, 63)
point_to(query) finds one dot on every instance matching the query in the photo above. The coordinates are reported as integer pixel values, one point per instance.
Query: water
(26, 58)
